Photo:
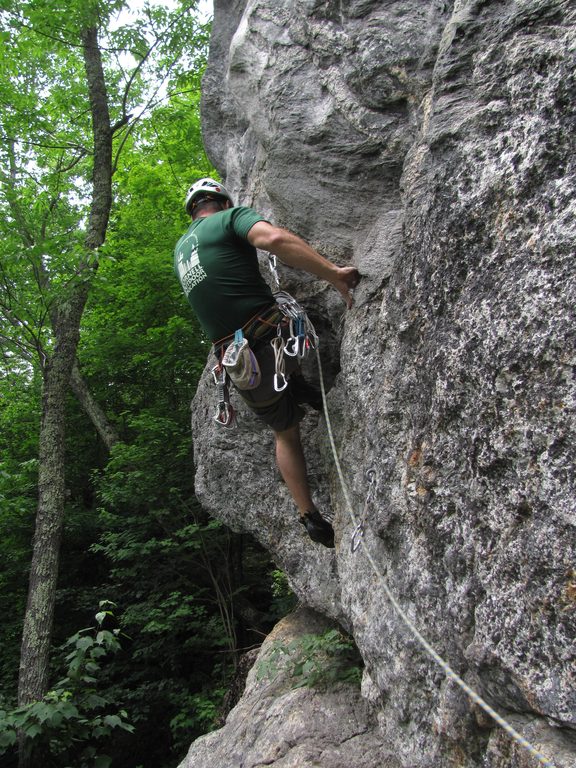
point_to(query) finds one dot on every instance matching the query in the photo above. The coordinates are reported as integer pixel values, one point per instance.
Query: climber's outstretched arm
(295, 252)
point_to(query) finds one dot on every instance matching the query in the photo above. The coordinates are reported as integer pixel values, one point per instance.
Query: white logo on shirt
(190, 271)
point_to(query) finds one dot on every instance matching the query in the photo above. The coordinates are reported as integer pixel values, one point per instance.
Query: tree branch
(15, 210)
(92, 409)
(23, 350)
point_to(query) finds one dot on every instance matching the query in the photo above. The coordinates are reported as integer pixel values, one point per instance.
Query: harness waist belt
(256, 328)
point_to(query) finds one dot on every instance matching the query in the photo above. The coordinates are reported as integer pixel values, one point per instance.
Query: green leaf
(69, 710)
(32, 730)
(7, 738)
(113, 721)
(84, 643)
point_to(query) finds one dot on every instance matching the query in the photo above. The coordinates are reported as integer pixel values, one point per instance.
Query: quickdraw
(301, 340)
(279, 347)
(225, 414)
(296, 342)
(358, 532)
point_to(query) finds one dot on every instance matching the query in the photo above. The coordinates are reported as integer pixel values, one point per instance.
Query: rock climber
(217, 265)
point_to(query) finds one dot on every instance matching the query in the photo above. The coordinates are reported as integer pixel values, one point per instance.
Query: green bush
(315, 660)
(70, 725)
(283, 599)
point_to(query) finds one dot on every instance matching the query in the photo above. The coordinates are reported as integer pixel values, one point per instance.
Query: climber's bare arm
(295, 252)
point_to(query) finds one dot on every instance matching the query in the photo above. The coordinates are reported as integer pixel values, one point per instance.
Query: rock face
(431, 144)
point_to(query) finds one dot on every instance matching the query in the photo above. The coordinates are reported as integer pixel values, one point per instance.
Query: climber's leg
(292, 466)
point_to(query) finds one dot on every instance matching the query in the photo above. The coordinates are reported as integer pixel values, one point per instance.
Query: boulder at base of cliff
(282, 726)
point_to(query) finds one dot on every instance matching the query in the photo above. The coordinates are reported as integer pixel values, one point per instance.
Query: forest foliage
(133, 686)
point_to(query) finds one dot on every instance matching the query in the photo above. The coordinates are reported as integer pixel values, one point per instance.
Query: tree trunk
(38, 619)
(102, 132)
(35, 651)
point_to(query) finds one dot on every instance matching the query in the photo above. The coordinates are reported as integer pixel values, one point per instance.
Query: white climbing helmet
(205, 186)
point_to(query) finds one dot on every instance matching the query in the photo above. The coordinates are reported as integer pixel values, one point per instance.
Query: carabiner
(277, 386)
(224, 414)
(291, 347)
(370, 475)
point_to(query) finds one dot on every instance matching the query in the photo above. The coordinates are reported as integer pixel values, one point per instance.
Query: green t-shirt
(219, 273)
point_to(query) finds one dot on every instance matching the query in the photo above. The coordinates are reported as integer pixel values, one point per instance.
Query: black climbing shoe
(303, 392)
(318, 529)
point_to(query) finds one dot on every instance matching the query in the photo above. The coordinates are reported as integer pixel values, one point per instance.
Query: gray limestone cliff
(431, 144)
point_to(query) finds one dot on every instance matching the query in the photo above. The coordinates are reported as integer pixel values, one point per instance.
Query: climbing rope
(358, 539)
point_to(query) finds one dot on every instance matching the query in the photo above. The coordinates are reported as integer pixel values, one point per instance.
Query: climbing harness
(295, 337)
(228, 352)
(358, 539)
(238, 363)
